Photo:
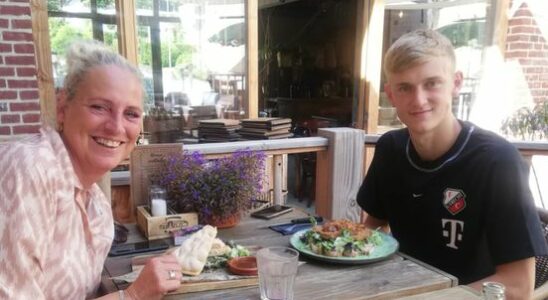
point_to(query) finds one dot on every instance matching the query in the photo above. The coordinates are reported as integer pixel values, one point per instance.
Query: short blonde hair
(85, 55)
(415, 48)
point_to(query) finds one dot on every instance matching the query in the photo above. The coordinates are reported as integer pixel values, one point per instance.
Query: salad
(341, 238)
(219, 261)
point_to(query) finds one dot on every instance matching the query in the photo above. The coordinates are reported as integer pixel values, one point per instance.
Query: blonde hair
(85, 55)
(415, 48)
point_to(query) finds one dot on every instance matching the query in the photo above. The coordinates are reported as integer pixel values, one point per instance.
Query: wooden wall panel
(121, 204)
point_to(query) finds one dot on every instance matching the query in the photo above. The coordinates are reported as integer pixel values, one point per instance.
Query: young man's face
(422, 94)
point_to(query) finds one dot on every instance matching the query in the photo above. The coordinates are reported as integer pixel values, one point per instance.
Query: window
(505, 90)
(73, 20)
(486, 59)
(192, 54)
(463, 24)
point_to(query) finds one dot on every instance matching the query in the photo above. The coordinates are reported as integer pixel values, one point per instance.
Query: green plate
(388, 247)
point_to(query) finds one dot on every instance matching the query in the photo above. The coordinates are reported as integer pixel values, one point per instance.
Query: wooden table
(395, 277)
(460, 292)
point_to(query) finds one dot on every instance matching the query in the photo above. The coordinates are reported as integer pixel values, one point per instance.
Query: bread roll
(192, 253)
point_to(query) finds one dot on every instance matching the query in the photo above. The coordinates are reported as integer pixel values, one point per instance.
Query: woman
(56, 225)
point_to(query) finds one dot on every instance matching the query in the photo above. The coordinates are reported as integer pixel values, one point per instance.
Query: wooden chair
(306, 162)
(541, 263)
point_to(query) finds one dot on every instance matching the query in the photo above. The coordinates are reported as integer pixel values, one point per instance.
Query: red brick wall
(526, 44)
(19, 102)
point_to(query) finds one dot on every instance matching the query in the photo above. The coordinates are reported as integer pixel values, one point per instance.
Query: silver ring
(171, 274)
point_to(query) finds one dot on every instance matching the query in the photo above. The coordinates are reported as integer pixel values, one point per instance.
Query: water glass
(277, 270)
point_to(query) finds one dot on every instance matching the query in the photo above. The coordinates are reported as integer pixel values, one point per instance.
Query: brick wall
(526, 44)
(19, 101)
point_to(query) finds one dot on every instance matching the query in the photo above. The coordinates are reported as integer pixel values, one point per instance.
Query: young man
(455, 196)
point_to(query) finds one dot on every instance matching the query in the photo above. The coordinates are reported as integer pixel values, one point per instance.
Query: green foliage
(110, 37)
(528, 124)
(62, 34)
(144, 4)
(101, 3)
(463, 33)
(143, 46)
(181, 54)
(57, 5)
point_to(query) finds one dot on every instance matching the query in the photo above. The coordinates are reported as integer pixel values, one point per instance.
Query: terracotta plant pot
(223, 221)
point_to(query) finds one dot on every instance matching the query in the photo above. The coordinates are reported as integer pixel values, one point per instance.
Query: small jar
(493, 291)
(158, 201)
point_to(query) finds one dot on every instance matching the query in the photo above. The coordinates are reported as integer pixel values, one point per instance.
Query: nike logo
(416, 195)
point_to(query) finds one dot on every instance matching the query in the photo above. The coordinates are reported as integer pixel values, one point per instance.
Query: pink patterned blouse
(54, 235)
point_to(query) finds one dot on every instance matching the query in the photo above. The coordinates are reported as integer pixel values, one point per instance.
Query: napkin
(290, 228)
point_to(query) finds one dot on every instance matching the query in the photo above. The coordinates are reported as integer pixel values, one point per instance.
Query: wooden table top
(395, 277)
(461, 292)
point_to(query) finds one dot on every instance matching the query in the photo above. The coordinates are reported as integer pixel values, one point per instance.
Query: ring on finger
(171, 274)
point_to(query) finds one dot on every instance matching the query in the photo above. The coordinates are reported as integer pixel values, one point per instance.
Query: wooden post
(339, 173)
(252, 53)
(278, 179)
(127, 30)
(369, 36)
(44, 70)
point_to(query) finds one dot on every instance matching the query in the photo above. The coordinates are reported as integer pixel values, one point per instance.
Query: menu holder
(146, 161)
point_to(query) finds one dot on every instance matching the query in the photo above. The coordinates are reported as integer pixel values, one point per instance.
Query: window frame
(126, 21)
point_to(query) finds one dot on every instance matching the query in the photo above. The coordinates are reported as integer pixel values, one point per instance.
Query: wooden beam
(369, 57)
(127, 30)
(251, 102)
(369, 44)
(44, 69)
(126, 21)
(497, 22)
(359, 59)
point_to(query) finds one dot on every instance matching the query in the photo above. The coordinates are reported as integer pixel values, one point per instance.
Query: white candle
(159, 207)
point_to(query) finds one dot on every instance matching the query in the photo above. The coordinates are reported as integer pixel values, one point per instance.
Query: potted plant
(528, 124)
(219, 189)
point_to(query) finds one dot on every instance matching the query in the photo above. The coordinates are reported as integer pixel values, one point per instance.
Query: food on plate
(193, 252)
(333, 229)
(201, 250)
(219, 261)
(341, 238)
(218, 248)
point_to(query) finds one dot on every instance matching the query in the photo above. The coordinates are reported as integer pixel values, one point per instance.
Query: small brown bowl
(244, 265)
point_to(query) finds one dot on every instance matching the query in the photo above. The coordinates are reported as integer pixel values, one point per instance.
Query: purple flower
(219, 187)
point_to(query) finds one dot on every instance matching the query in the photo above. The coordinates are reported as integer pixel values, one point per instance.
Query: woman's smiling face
(102, 122)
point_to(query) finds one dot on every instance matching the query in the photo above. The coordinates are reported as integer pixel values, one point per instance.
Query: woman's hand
(160, 275)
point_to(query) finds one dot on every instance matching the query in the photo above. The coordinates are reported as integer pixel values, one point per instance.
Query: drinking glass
(277, 271)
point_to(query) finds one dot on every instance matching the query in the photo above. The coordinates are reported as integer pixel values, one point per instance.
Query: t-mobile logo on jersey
(454, 232)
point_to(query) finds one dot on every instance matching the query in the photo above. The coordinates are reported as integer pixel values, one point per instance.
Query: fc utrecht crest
(454, 200)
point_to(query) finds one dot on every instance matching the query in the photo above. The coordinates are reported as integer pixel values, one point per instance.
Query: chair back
(541, 262)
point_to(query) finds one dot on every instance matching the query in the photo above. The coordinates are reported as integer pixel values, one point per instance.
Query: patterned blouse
(54, 235)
